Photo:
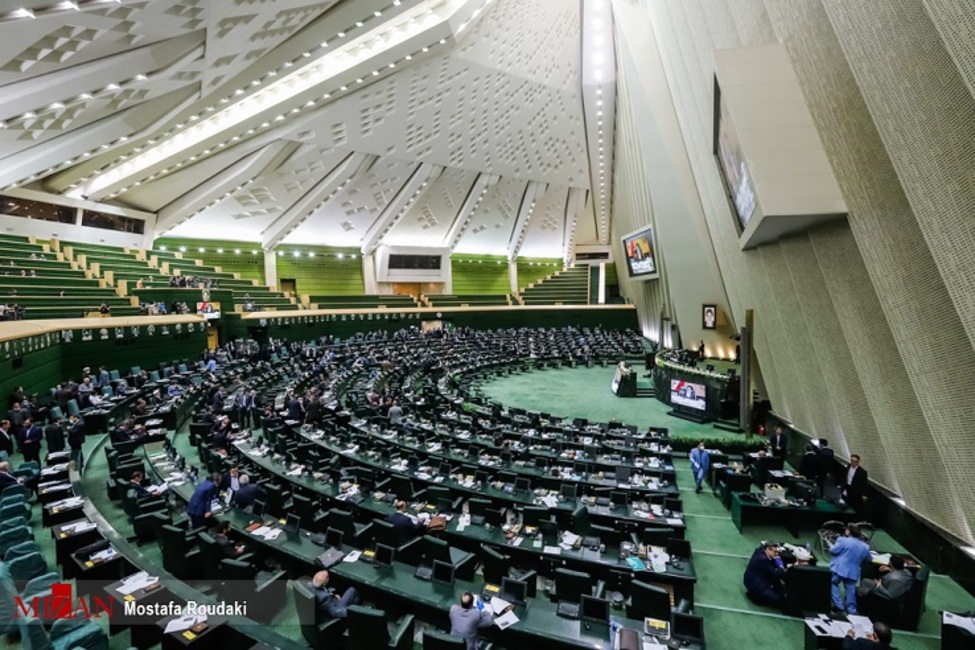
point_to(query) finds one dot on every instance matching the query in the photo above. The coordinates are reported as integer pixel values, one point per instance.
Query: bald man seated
(330, 603)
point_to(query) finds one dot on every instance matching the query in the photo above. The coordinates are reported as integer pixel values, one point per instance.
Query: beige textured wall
(864, 329)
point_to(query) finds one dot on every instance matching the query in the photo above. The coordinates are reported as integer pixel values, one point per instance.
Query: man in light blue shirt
(466, 620)
(848, 553)
(700, 463)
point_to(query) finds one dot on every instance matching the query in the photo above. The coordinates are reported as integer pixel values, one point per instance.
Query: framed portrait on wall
(709, 317)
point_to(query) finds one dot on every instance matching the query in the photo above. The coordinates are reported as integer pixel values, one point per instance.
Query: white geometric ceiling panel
(248, 211)
(429, 218)
(543, 235)
(346, 217)
(239, 33)
(37, 46)
(492, 222)
(506, 101)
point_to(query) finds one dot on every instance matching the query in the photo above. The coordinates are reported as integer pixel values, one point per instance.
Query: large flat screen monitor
(685, 393)
(208, 310)
(732, 163)
(640, 253)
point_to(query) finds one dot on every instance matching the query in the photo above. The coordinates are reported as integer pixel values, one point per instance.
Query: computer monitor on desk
(594, 610)
(514, 591)
(333, 538)
(384, 556)
(687, 627)
(443, 573)
(292, 524)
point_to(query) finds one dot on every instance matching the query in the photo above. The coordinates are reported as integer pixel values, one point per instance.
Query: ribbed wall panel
(955, 20)
(860, 338)
(632, 210)
(925, 116)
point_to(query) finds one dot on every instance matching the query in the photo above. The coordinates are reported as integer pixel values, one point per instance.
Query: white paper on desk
(135, 585)
(506, 621)
(570, 538)
(352, 557)
(79, 527)
(554, 550)
(498, 605)
(423, 476)
(674, 521)
(104, 555)
(516, 541)
(881, 558)
(550, 501)
(653, 645)
(964, 622)
(861, 625)
(158, 488)
(183, 623)
(295, 472)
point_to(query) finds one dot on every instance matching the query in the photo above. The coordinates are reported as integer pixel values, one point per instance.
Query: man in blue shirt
(198, 508)
(849, 552)
(700, 463)
(466, 620)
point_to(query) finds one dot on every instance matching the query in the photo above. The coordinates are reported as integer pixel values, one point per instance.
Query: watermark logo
(61, 604)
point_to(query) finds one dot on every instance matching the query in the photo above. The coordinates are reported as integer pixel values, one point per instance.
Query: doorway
(213, 336)
(289, 286)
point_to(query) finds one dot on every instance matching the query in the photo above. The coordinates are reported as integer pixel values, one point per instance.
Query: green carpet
(585, 393)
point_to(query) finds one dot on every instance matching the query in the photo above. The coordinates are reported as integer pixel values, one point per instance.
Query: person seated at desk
(328, 602)
(759, 469)
(123, 432)
(228, 547)
(879, 640)
(248, 492)
(7, 479)
(231, 480)
(764, 576)
(136, 487)
(407, 527)
(220, 434)
(894, 582)
(466, 620)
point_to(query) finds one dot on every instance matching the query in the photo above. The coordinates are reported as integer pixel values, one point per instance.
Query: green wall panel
(326, 273)
(249, 262)
(533, 270)
(479, 274)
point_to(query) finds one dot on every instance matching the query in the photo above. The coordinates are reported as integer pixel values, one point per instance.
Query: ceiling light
(253, 252)
(237, 251)
(311, 254)
(340, 256)
(182, 249)
(202, 250)
(162, 248)
(280, 253)
(296, 254)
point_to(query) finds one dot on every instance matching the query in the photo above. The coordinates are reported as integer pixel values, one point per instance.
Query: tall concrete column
(271, 269)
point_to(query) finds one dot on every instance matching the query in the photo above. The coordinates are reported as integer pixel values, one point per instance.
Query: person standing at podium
(700, 464)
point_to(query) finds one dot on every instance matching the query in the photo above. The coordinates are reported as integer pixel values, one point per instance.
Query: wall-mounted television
(685, 393)
(208, 310)
(640, 253)
(731, 162)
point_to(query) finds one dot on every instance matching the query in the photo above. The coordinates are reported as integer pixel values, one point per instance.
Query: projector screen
(640, 254)
(684, 393)
(209, 310)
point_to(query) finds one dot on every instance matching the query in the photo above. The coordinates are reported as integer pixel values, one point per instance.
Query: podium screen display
(687, 394)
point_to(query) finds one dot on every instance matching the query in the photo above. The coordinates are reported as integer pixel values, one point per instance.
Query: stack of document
(78, 527)
(136, 582)
(966, 623)
(70, 502)
(267, 532)
(104, 555)
(184, 623)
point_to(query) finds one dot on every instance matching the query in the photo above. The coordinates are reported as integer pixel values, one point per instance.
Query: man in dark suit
(54, 436)
(879, 640)
(7, 479)
(228, 547)
(17, 415)
(76, 439)
(198, 508)
(329, 603)
(30, 441)
(764, 576)
(760, 469)
(894, 581)
(137, 490)
(6, 437)
(778, 444)
(406, 527)
(295, 412)
(855, 485)
(809, 465)
(248, 492)
(246, 403)
(826, 462)
(218, 400)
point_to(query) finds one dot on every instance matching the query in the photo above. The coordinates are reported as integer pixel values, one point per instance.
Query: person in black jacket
(406, 527)
(778, 444)
(854, 485)
(809, 465)
(76, 440)
(7, 437)
(825, 463)
(764, 576)
(30, 441)
(54, 435)
(248, 492)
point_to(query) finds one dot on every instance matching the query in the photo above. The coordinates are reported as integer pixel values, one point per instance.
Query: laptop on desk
(333, 555)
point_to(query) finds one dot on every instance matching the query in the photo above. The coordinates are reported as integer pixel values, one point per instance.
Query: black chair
(266, 595)
(464, 563)
(571, 586)
(369, 628)
(648, 601)
(903, 613)
(319, 632)
(653, 536)
(409, 552)
(495, 566)
(180, 557)
(210, 557)
(807, 591)
(357, 534)
(437, 640)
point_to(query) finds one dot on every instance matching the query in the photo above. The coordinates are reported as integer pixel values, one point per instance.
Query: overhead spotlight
(220, 251)
(236, 251)
(340, 256)
(296, 254)
(182, 249)
(202, 250)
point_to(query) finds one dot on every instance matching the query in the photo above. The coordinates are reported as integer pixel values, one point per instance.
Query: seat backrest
(13, 510)
(306, 610)
(494, 564)
(20, 550)
(385, 533)
(367, 627)
(571, 586)
(14, 522)
(435, 549)
(654, 536)
(211, 556)
(25, 567)
(649, 601)
(913, 599)
(235, 570)
(19, 488)
(33, 636)
(437, 640)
